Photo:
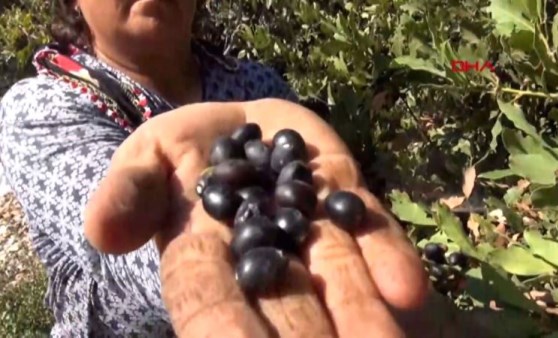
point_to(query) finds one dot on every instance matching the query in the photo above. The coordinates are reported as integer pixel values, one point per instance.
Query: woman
(71, 131)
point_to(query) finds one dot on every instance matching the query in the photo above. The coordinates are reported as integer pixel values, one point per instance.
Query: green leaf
(340, 65)
(407, 211)
(516, 143)
(513, 323)
(480, 290)
(440, 238)
(417, 64)
(497, 174)
(519, 261)
(513, 218)
(327, 27)
(533, 8)
(333, 47)
(452, 227)
(543, 50)
(261, 38)
(522, 44)
(545, 197)
(510, 16)
(506, 290)
(512, 196)
(516, 116)
(447, 55)
(542, 247)
(484, 249)
(494, 133)
(484, 285)
(398, 41)
(535, 167)
(555, 32)
(479, 52)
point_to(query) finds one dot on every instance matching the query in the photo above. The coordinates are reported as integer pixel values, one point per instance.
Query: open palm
(339, 288)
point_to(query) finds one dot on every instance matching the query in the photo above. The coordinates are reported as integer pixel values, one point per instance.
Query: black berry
(437, 272)
(455, 36)
(288, 137)
(297, 195)
(435, 253)
(258, 153)
(267, 191)
(345, 209)
(247, 132)
(416, 16)
(253, 207)
(236, 173)
(203, 181)
(253, 233)
(288, 146)
(266, 179)
(252, 192)
(260, 269)
(285, 154)
(295, 171)
(225, 149)
(458, 259)
(220, 201)
(294, 223)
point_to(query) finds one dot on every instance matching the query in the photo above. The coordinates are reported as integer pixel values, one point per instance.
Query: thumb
(129, 206)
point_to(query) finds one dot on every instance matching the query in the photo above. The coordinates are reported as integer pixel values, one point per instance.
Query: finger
(293, 309)
(341, 275)
(200, 292)
(394, 265)
(126, 197)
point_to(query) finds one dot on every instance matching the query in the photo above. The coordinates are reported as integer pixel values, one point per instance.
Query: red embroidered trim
(104, 103)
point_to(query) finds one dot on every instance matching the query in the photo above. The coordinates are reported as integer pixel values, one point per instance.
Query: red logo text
(462, 66)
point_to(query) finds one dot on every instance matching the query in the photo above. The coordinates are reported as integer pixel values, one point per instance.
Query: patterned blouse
(56, 142)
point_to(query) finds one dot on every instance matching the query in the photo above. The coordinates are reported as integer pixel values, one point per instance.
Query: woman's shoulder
(35, 88)
(254, 79)
(26, 84)
(216, 57)
(265, 80)
(250, 80)
(258, 69)
(38, 96)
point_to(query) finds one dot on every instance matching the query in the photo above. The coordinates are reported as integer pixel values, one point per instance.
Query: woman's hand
(339, 289)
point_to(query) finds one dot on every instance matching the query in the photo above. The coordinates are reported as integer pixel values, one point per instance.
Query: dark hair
(68, 26)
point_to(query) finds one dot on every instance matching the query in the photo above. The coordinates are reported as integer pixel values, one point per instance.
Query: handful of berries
(266, 193)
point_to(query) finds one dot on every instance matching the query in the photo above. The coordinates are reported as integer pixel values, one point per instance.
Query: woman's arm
(56, 146)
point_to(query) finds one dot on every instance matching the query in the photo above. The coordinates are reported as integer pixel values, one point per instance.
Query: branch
(517, 92)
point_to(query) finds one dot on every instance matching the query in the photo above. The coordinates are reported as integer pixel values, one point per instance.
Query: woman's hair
(69, 27)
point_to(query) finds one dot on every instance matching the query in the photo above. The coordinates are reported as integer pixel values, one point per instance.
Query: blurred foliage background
(464, 159)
